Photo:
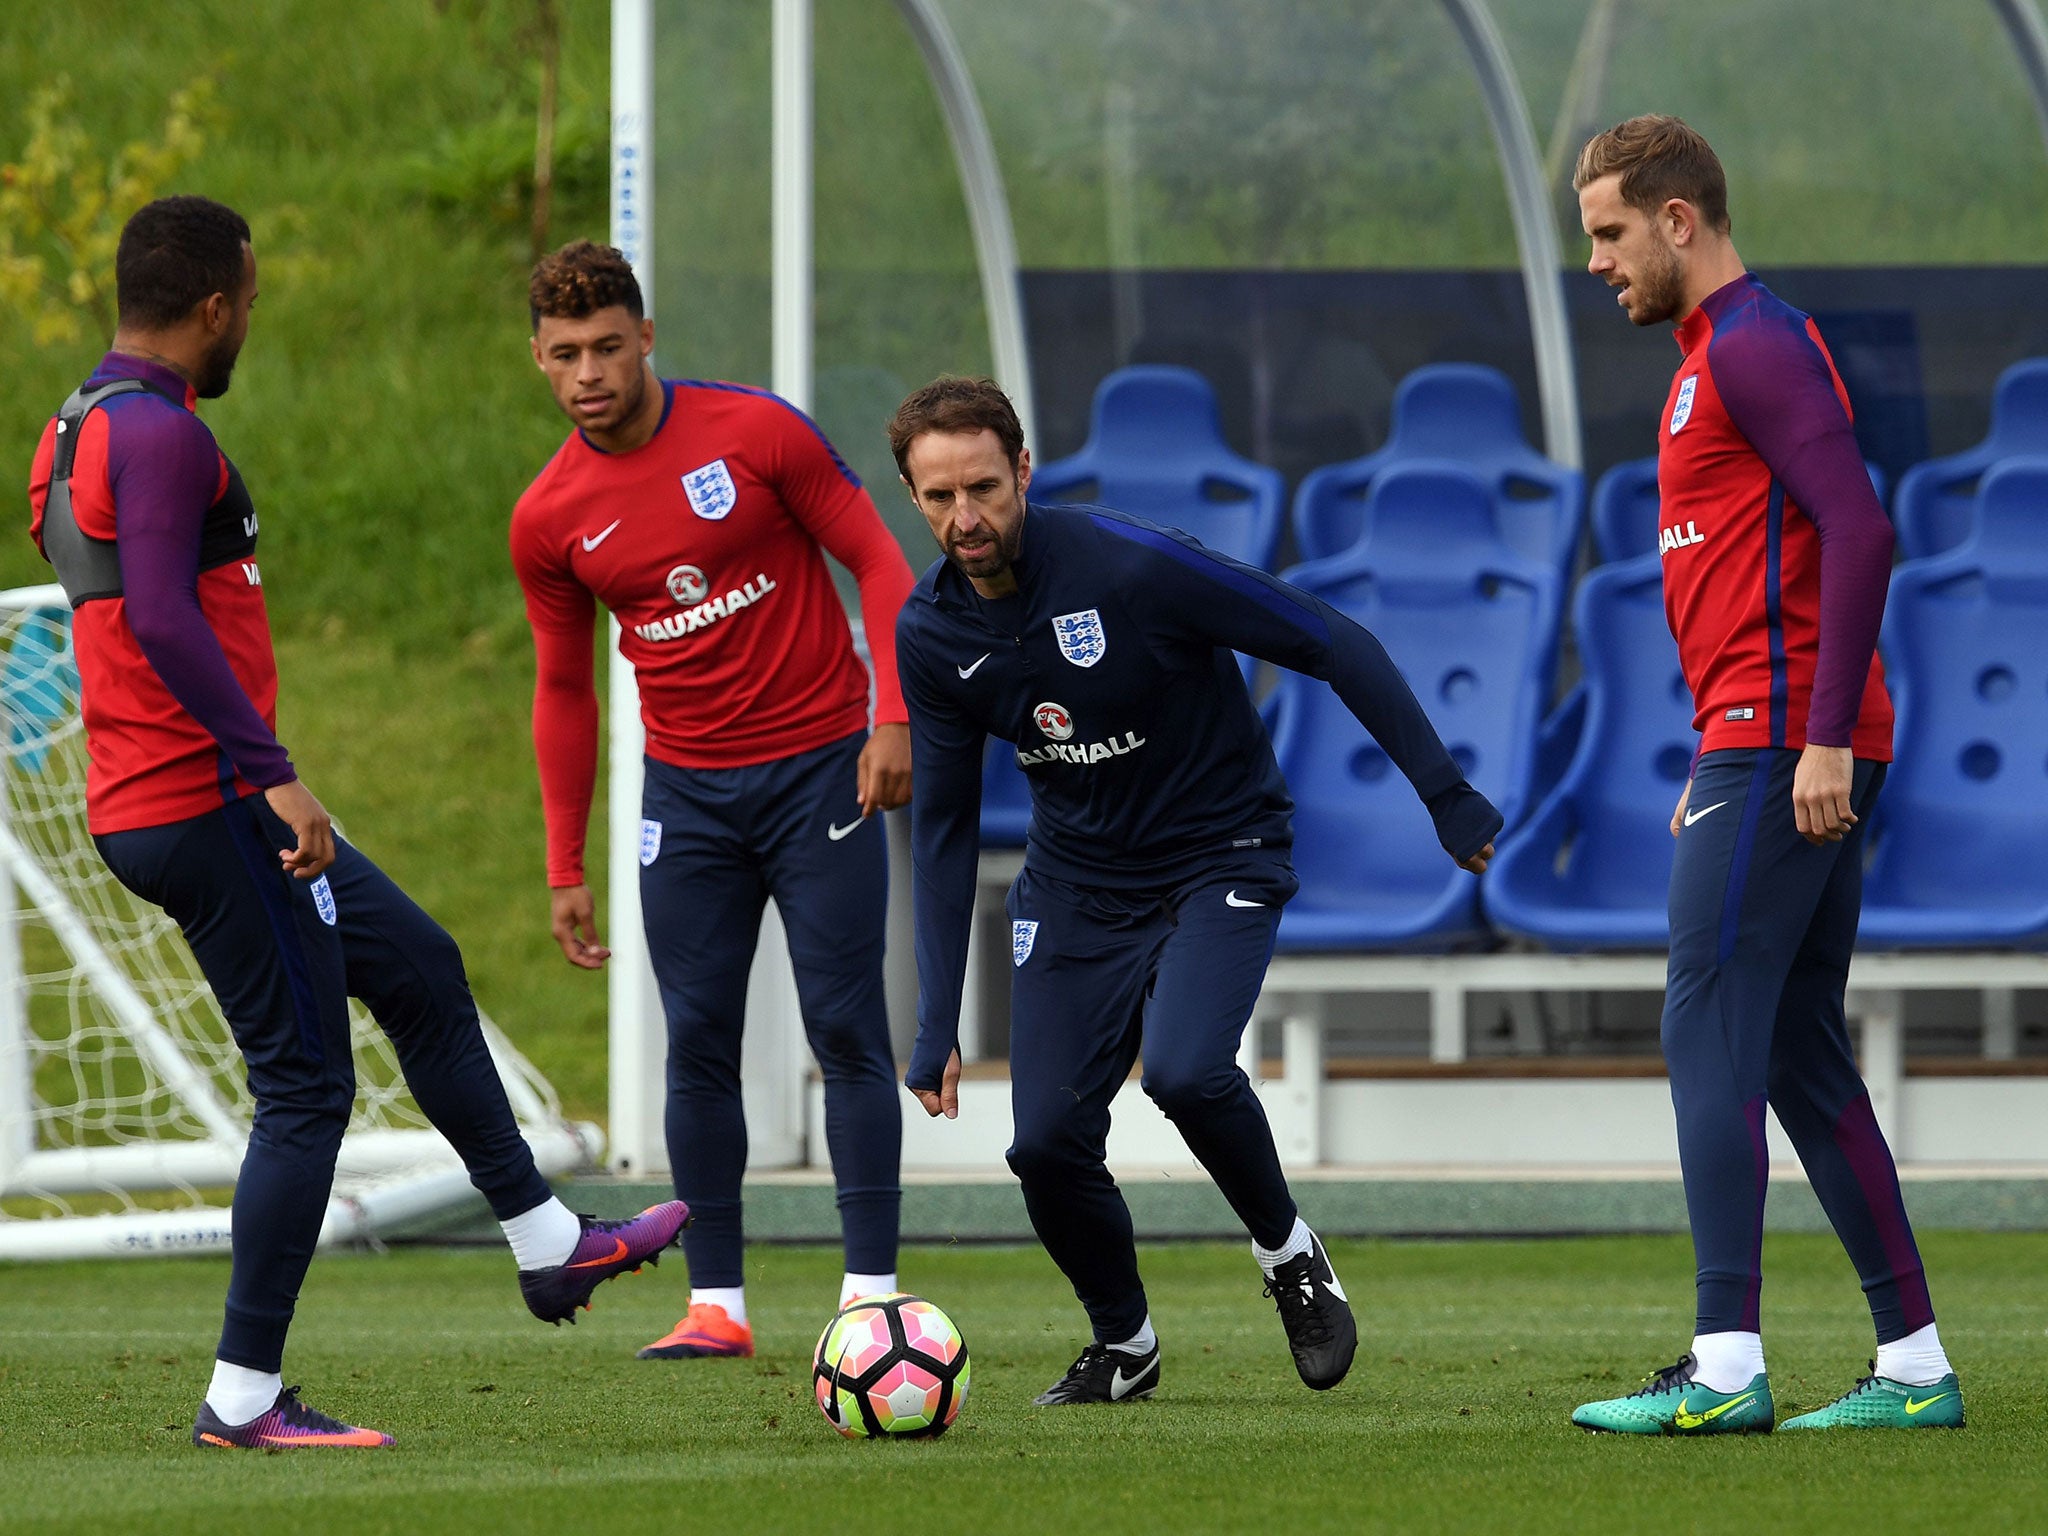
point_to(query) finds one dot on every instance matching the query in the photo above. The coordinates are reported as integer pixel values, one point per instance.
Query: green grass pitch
(1453, 1420)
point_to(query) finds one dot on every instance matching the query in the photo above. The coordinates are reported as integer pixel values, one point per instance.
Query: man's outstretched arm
(1209, 598)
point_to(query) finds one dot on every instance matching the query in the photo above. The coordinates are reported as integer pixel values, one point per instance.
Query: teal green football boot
(1672, 1403)
(1878, 1402)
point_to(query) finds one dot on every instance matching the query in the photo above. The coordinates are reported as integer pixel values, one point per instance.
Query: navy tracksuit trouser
(715, 844)
(1100, 978)
(283, 957)
(1762, 927)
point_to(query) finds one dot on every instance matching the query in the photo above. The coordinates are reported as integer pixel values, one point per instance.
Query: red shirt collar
(1697, 326)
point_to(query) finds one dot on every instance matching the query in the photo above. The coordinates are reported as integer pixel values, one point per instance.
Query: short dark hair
(580, 279)
(175, 254)
(953, 403)
(1659, 158)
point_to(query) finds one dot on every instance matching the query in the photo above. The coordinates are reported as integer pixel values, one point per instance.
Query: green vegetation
(1454, 1419)
(386, 416)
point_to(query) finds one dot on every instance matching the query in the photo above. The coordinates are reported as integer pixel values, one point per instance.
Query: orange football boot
(705, 1330)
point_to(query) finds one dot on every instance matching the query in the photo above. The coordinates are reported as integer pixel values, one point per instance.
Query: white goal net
(124, 1108)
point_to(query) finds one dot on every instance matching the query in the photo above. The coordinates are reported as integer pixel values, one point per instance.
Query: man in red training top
(196, 807)
(1777, 559)
(700, 515)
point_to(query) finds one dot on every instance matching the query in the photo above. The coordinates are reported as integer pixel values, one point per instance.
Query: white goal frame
(386, 1177)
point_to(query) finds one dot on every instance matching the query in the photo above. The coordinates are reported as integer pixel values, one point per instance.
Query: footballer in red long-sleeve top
(1777, 559)
(196, 808)
(700, 515)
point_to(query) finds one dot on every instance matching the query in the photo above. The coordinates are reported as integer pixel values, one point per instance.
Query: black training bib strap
(87, 567)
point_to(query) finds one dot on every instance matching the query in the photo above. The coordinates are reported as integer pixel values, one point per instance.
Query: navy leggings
(283, 957)
(1101, 977)
(715, 844)
(1762, 927)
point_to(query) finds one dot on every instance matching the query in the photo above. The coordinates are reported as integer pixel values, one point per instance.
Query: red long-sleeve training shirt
(707, 543)
(1777, 556)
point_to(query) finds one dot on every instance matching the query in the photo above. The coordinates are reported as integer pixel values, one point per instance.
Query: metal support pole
(1535, 229)
(1298, 1129)
(1447, 1022)
(2001, 1024)
(638, 1041)
(1882, 1015)
(2023, 25)
(794, 172)
(988, 206)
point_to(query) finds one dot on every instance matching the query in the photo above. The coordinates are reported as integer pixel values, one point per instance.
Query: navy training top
(1111, 671)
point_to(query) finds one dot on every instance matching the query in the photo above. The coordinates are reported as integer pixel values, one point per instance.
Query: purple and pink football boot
(607, 1248)
(289, 1426)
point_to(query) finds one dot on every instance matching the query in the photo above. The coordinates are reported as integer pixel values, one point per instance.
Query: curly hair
(580, 279)
(175, 253)
(953, 403)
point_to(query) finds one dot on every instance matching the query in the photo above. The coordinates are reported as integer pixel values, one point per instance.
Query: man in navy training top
(196, 806)
(1777, 560)
(1157, 862)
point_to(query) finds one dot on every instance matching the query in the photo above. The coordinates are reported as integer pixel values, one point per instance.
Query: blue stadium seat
(1468, 620)
(1957, 837)
(1590, 869)
(1155, 449)
(1468, 413)
(1937, 500)
(1625, 508)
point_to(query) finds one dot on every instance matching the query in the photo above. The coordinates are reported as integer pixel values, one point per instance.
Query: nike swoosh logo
(592, 540)
(1705, 810)
(967, 672)
(1686, 1420)
(1120, 1384)
(613, 1257)
(1232, 901)
(1913, 1407)
(836, 833)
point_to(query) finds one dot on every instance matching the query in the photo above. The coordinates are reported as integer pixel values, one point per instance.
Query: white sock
(544, 1236)
(855, 1287)
(1918, 1359)
(731, 1297)
(1727, 1362)
(1143, 1342)
(239, 1394)
(1297, 1244)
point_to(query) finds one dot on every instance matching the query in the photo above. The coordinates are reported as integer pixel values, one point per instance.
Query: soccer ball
(890, 1365)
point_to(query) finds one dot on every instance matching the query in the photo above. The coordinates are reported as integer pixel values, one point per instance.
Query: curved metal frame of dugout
(637, 1036)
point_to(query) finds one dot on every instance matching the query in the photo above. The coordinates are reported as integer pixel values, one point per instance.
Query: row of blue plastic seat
(1156, 449)
(1934, 510)
(1949, 864)
(1469, 619)
(1460, 568)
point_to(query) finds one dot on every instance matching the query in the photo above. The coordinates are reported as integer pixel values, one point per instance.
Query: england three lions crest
(1080, 636)
(710, 490)
(1023, 934)
(1681, 409)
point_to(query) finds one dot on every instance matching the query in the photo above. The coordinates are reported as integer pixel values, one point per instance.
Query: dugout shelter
(1312, 205)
